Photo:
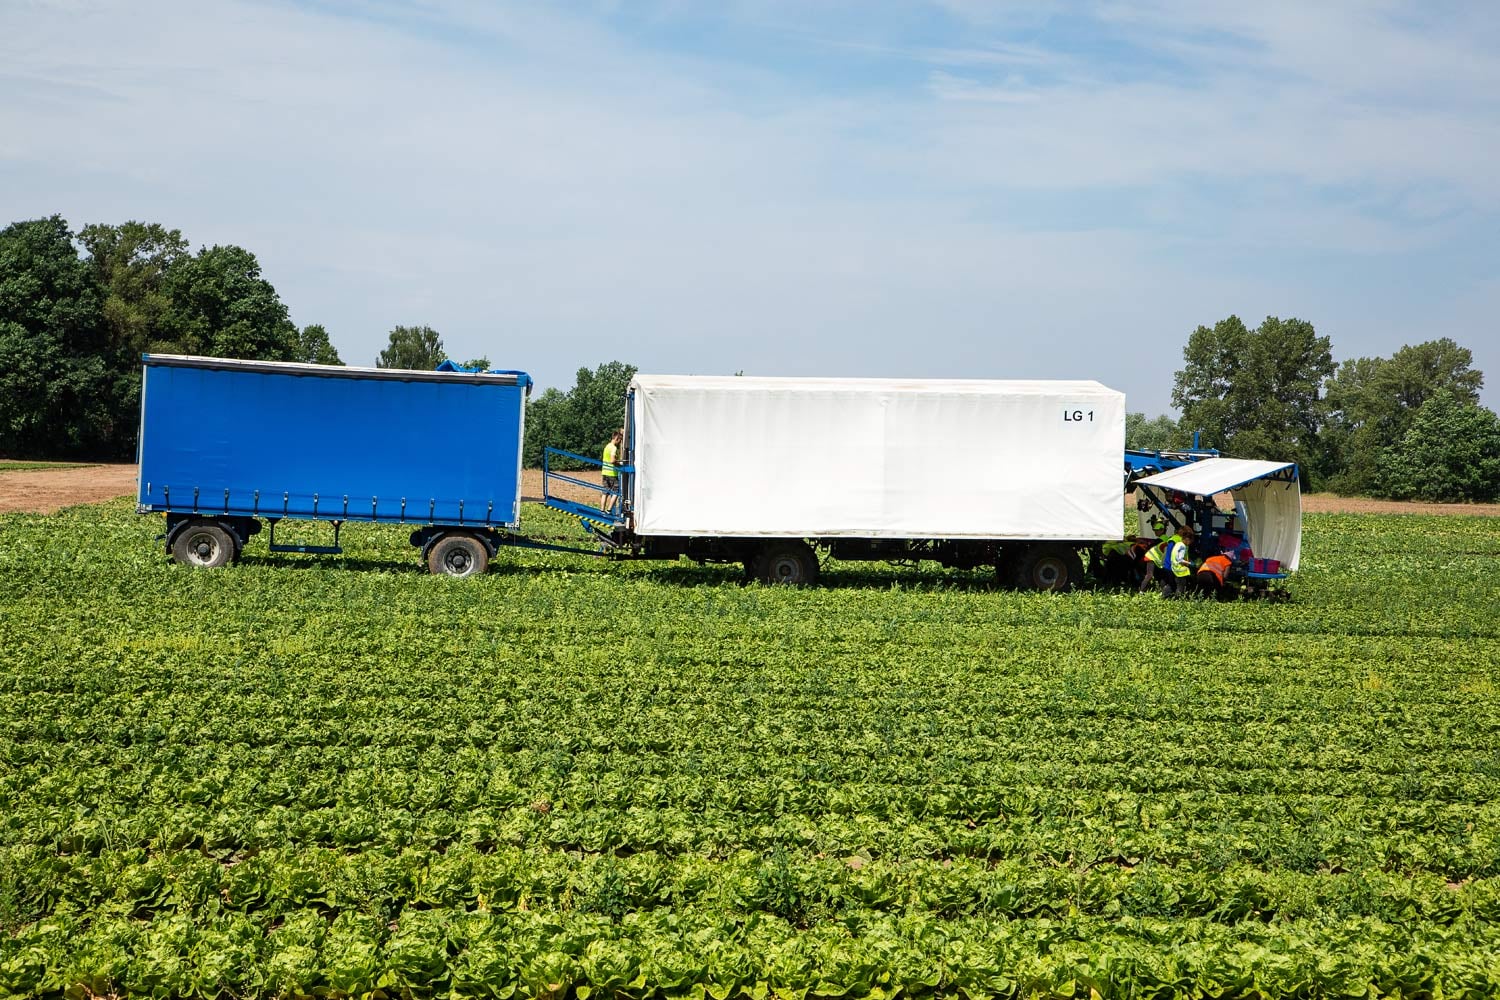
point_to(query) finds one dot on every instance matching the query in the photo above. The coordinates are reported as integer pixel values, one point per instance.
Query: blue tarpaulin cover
(272, 439)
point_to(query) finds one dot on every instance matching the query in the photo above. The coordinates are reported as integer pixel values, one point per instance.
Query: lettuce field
(340, 777)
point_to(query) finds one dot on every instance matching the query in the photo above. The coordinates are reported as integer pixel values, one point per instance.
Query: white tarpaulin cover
(877, 458)
(1273, 508)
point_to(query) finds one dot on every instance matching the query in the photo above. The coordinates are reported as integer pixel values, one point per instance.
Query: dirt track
(43, 491)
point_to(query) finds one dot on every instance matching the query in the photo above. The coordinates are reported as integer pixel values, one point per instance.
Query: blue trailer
(226, 445)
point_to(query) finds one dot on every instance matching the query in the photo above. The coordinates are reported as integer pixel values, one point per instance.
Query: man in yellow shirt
(1177, 560)
(611, 472)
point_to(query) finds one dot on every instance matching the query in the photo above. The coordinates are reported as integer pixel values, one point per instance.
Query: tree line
(1406, 427)
(77, 310)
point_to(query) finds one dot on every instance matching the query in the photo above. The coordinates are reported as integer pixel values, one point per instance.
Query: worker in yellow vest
(1118, 565)
(1177, 560)
(611, 471)
(1153, 558)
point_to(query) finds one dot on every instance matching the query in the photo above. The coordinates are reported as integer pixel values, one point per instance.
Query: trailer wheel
(1049, 567)
(458, 555)
(791, 562)
(204, 545)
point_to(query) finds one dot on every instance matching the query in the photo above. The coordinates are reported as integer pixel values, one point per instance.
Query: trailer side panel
(271, 441)
(877, 458)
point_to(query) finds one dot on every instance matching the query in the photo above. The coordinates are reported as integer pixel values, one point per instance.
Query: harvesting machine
(1024, 476)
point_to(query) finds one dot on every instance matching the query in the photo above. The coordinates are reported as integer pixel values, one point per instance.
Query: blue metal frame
(573, 507)
(1140, 463)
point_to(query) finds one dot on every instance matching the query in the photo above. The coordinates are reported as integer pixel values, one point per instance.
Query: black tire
(204, 545)
(1049, 566)
(458, 555)
(789, 562)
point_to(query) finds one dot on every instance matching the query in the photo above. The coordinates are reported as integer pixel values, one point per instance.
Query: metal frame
(332, 550)
(573, 507)
(232, 507)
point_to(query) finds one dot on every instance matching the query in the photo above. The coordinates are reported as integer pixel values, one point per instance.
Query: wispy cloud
(856, 187)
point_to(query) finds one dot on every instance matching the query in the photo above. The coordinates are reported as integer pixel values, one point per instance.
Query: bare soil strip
(44, 491)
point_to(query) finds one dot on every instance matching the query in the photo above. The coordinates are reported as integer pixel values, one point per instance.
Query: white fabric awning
(1214, 475)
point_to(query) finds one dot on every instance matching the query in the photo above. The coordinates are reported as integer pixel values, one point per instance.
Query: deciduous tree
(1160, 433)
(1255, 393)
(1372, 402)
(55, 391)
(1449, 452)
(314, 347)
(222, 307)
(582, 419)
(416, 348)
(131, 263)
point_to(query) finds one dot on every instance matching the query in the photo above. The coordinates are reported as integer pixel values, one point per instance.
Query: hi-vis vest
(609, 461)
(1217, 565)
(1178, 560)
(1156, 553)
(1120, 548)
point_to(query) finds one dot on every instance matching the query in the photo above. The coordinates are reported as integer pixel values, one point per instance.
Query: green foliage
(55, 388)
(1450, 452)
(1160, 433)
(223, 308)
(72, 330)
(131, 263)
(582, 419)
(314, 347)
(481, 363)
(414, 348)
(571, 778)
(543, 426)
(1372, 402)
(1255, 393)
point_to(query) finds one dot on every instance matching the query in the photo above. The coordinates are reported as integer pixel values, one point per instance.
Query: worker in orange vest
(1213, 576)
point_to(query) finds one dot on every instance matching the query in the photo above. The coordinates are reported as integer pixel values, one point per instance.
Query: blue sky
(954, 188)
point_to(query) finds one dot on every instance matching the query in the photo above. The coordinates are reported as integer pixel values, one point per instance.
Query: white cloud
(548, 191)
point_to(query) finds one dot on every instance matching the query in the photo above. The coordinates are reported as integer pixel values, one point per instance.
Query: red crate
(1265, 565)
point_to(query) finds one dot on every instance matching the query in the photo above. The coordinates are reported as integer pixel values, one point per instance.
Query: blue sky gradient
(953, 188)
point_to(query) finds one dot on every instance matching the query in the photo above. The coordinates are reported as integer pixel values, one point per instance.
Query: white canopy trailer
(1023, 475)
(1267, 496)
(875, 458)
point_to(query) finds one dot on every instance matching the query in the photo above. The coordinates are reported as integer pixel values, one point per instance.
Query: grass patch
(16, 465)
